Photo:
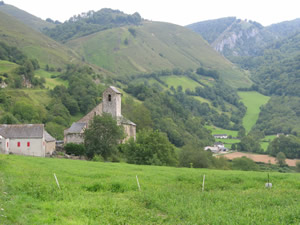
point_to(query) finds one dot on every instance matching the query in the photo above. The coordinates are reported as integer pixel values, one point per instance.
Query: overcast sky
(182, 12)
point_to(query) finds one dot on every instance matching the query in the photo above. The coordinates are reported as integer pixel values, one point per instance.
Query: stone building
(111, 103)
(26, 139)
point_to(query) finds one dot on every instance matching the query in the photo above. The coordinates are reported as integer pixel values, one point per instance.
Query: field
(51, 82)
(185, 82)
(107, 193)
(259, 158)
(253, 101)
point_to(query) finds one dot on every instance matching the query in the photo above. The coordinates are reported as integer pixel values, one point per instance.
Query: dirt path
(259, 158)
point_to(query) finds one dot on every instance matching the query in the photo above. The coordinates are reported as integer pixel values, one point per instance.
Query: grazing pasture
(253, 101)
(107, 193)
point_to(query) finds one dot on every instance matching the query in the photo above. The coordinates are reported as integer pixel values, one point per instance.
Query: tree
(76, 149)
(249, 144)
(150, 148)
(298, 166)
(280, 159)
(289, 145)
(102, 136)
(244, 163)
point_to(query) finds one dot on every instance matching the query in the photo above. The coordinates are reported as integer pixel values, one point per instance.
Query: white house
(216, 148)
(25, 139)
(221, 136)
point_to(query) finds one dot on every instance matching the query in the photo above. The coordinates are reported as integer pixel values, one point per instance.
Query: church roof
(76, 128)
(115, 89)
(22, 130)
(123, 120)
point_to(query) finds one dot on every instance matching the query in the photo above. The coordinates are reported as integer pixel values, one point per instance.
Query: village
(34, 140)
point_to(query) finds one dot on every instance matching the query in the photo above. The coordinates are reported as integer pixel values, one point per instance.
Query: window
(19, 144)
(109, 98)
(28, 144)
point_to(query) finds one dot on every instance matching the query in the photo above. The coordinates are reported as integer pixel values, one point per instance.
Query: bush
(75, 149)
(150, 148)
(298, 166)
(244, 163)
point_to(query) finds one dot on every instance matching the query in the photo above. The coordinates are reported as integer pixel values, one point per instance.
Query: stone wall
(50, 147)
(74, 138)
(130, 131)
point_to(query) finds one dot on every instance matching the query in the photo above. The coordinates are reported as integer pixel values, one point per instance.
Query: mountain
(25, 17)
(234, 37)
(91, 22)
(154, 46)
(34, 44)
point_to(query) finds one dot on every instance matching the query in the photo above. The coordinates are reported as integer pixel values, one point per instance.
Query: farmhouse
(222, 136)
(216, 148)
(26, 139)
(111, 103)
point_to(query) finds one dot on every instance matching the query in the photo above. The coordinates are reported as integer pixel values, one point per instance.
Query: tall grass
(107, 193)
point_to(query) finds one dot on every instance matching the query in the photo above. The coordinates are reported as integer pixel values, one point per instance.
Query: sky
(181, 12)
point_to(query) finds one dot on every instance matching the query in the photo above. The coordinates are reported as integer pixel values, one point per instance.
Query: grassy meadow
(253, 101)
(156, 46)
(107, 193)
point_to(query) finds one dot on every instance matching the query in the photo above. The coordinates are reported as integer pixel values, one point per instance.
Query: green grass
(7, 67)
(107, 193)
(185, 82)
(266, 141)
(253, 101)
(34, 44)
(217, 130)
(51, 82)
(157, 46)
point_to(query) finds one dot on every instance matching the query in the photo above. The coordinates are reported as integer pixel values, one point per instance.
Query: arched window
(109, 98)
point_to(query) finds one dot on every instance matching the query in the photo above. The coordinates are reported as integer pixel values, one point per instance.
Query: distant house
(25, 139)
(111, 103)
(216, 148)
(221, 136)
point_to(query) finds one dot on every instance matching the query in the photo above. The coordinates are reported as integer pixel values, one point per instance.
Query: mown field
(253, 101)
(107, 193)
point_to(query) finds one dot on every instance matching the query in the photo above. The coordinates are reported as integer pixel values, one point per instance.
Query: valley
(171, 88)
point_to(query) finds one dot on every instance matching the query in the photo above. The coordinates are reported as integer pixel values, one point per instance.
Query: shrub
(244, 163)
(298, 166)
(75, 149)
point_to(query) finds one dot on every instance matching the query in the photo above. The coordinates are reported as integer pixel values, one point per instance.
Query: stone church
(111, 103)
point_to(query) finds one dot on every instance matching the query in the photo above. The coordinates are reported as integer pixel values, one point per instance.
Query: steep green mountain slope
(25, 17)
(154, 46)
(34, 44)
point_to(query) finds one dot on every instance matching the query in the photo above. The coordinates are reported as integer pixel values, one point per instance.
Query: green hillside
(34, 44)
(154, 46)
(107, 193)
(253, 101)
(25, 17)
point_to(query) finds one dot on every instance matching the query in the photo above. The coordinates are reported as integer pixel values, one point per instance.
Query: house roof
(115, 89)
(76, 128)
(48, 137)
(22, 130)
(218, 143)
